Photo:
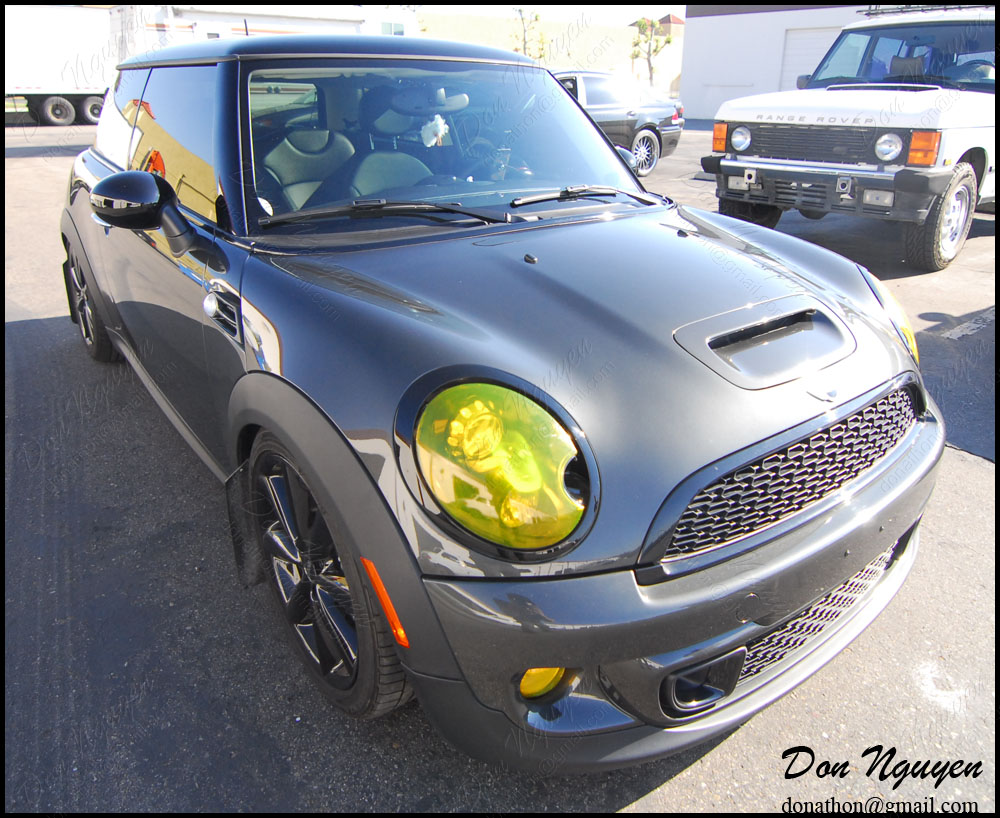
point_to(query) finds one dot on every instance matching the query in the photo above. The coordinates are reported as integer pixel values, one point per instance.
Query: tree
(528, 20)
(647, 44)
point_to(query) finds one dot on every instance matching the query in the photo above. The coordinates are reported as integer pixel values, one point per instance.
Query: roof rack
(878, 11)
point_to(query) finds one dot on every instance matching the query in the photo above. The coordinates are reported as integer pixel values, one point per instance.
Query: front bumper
(628, 643)
(830, 188)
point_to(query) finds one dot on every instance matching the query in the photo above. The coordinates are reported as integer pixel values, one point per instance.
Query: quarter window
(114, 129)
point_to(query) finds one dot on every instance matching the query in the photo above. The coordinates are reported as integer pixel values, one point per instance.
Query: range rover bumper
(643, 660)
(901, 194)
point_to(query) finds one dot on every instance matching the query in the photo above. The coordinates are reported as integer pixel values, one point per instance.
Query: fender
(71, 237)
(358, 513)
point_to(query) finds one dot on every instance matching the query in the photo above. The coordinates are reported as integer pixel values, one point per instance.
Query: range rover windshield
(952, 55)
(419, 139)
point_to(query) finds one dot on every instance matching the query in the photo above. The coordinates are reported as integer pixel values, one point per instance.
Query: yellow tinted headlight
(496, 462)
(897, 315)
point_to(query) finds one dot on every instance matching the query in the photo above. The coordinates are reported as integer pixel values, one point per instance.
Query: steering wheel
(488, 162)
(967, 69)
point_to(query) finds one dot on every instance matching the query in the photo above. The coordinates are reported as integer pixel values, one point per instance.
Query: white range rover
(896, 123)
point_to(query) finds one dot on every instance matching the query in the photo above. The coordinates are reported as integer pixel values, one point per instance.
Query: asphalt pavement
(140, 675)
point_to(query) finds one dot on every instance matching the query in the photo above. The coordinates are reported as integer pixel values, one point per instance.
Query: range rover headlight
(740, 138)
(501, 466)
(896, 313)
(888, 146)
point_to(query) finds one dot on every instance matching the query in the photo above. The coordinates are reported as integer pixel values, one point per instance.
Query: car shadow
(874, 244)
(958, 363)
(142, 676)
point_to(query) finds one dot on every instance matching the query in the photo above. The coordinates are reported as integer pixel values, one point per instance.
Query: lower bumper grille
(796, 633)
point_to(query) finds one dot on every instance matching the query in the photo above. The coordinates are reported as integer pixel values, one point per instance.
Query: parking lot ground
(139, 674)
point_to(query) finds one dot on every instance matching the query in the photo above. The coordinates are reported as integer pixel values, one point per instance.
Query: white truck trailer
(60, 60)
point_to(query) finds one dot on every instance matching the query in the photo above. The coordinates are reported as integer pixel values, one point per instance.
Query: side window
(114, 129)
(600, 91)
(174, 134)
(569, 83)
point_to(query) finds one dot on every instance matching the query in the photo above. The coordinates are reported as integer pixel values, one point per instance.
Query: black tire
(764, 215)
(84, 312)
(56, 111)
(933, 245)
(815, 215)
(332, 618)
(88, 110)
(646, 150)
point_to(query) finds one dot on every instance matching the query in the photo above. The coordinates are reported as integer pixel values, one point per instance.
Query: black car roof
(305, 45)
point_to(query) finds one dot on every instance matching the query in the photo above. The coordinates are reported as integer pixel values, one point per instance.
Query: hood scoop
(769, 343)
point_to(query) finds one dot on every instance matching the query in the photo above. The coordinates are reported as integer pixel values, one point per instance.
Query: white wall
(736, 55)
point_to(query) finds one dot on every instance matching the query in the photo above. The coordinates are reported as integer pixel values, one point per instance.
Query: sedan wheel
(646, 150)
(340, 635)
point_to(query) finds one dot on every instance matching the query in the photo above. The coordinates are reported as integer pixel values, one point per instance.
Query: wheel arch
(73, 242)
(354, 504)
(651, 127)
(978, 159)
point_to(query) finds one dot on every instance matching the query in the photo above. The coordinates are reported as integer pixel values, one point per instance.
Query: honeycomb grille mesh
(779, 643)
(774, 487)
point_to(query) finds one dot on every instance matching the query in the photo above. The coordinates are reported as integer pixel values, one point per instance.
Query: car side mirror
(802, 81)
(628, 156)
(137, 200)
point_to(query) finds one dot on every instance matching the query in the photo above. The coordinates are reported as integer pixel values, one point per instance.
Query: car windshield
(959, 55)
(327, 135)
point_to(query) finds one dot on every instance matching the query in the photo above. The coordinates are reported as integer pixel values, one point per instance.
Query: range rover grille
(816, 143)
(794, 634)
(769, 489)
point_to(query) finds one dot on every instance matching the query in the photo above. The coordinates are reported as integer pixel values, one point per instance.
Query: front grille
(817, 143)
(769, 489)
(794, 634)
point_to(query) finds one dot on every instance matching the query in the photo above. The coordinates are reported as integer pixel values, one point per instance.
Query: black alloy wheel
(340, 635)
(85, 314)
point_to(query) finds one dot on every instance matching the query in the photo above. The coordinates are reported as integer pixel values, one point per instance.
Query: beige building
(577, 42)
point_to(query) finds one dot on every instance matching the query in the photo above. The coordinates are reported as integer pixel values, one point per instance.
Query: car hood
(610, 318)
(902, 106)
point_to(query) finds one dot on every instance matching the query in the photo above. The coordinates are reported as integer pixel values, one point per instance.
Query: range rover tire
(330, 614)
(933, 245)
(764, 215)
(56, 111)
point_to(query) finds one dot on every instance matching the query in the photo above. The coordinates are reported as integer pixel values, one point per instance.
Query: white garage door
(804, 48)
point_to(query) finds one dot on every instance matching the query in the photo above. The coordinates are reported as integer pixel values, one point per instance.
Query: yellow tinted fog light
(501, 466)
(538, 681)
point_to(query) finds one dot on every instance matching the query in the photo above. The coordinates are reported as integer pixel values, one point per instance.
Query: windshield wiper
(382, 207)
(581, 191)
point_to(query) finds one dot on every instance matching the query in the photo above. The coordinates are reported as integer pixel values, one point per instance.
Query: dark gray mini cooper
(594, 476)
